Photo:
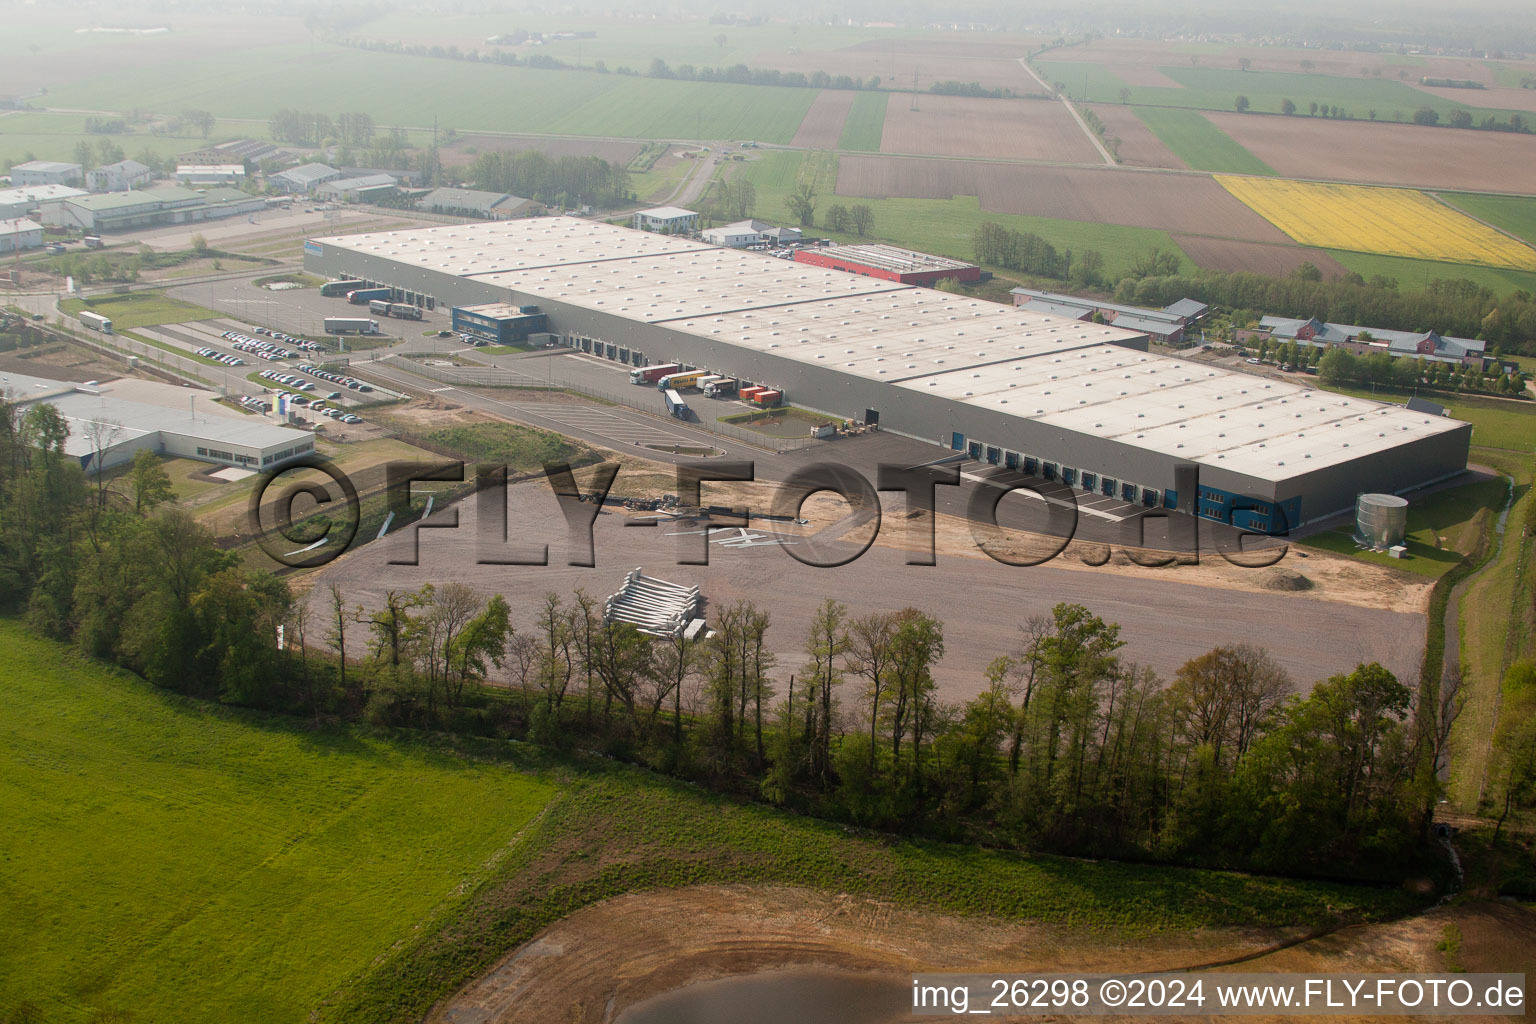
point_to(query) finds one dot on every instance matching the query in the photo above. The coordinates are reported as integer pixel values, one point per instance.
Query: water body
(781, 997)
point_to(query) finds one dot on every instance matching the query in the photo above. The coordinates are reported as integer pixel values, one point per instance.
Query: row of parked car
(220, 357)
(337, 378)
(298, 343)
(314, 404)
(256, 404)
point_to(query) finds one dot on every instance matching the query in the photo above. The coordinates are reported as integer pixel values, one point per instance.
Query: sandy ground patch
(985, 128)
(822, 126)
(1278, 260)
(595, 963)
(1174, 202)
(1389, 154)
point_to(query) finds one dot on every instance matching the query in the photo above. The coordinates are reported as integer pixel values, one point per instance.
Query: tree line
(559, 181)
(1070, 746)
(308, 128)
(1028, 252)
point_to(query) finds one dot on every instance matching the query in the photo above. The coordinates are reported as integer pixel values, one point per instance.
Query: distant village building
(19, 202)
(744, 233)
(46, 172)
(360, 189)
(122, 211)
(469, 202)
(1169, 325)
(210, 174)
(118, 177)
(236, 151)
(1364, 341)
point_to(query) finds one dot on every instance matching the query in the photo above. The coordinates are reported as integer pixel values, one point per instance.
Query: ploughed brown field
(1255, 257)
(457, 153)
(985, 128)
(1139, 147)
(1386, 154)
(823, 124)
(1188, 203)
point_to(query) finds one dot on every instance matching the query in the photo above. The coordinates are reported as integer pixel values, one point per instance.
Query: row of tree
(1337, 366)
(1029, 253)
(565, 181)
(307, 128)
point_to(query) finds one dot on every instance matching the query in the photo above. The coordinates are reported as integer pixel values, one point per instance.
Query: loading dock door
(957, 442)
(974, 449)
(1128, 492)
(1108, 489)
(1011, 460)
(1149, 497)
(1049, 472)
(1031, 466)
(994, 454)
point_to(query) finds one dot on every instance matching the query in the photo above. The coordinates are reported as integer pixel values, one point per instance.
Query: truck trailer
(684, 379)
(676, 407)
(338, 289)
(95, 321)
(652, 374)
(359, 296)
(378, 306)
(722, 388)
(350, 325)
(404, 311)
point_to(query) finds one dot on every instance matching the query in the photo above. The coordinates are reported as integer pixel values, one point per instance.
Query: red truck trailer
(652, 374)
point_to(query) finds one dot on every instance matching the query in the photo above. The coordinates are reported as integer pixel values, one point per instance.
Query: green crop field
(1217, 89)
(412, 91)
(1514, 214)
(1199, 143)
(1412, 275)
(177, 863)
(865, 124)
(140, 309)
(54, 137)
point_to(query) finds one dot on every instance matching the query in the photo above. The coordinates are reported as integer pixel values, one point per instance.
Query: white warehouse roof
(1025, 363)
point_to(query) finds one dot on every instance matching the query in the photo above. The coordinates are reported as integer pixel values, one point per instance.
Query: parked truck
(360, 296)
(651, 374)
(725, 387)
(95, 321)
(404, 311)
(380, 306)
(338, 289)
(682, 379)
(350, 325)
(675, 404)
(705, 381)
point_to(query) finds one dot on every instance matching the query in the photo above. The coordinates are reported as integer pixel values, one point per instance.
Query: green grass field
(1412, 275)
(412, 91)
(140, 309)
(1199, 143)
(1515, 214)
(54, 137)
(865, 125)
(179, 863)
(1217, 88)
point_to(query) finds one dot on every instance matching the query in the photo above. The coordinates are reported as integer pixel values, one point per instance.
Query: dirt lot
(1279, 260)
(1138, 146)
(607, 957)
(983, 128)
(1388, 154)
(1174, 202)
(823, 124)
(1165, 620)
(463, 149)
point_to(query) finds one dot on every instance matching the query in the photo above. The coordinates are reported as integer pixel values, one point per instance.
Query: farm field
(1199, 143)
(823, 124)
(238, 867)
(865, 123)
(1386, 154)
(1413, 275)
(1137, 145)
(48, 136)
(465, 96)
(1393, 222)
(1255, 257)
(897, 58)
(963, 126)
(1189, 204)
(1514, 214)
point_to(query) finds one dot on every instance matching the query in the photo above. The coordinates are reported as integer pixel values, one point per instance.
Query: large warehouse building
(1081, 403)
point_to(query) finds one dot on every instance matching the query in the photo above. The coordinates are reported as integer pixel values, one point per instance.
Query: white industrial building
(352, 190)
(749, 232)
(118, 177)
(304, 178)
(210, 174)
(113, 429)
(20, 234)
(46, 172)
(668, 220)
(1080, 404)
(20, 202)
(122, 211)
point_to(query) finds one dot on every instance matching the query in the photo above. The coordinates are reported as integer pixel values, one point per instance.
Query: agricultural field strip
(1390, 221)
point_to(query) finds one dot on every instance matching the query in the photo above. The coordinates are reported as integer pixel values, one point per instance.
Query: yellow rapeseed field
(1389, 221)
